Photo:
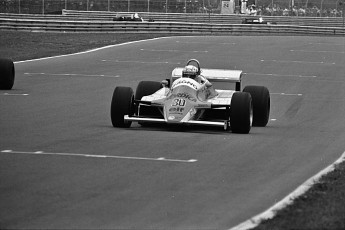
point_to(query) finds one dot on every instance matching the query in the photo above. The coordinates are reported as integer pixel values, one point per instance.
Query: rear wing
(215, 75)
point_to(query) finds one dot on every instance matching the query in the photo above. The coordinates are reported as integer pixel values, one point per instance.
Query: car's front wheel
(121, 105)
(7, 74)
(241, 112)
(261, 104)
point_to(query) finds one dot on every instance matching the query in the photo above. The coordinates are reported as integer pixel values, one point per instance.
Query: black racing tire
(241, 112)
(261, 104)
(121, 104)
(147, 88)
(7, 74)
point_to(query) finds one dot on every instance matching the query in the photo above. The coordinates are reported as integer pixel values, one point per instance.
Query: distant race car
(7, 74)
(130, 18)
(256, 20)
(183, 101)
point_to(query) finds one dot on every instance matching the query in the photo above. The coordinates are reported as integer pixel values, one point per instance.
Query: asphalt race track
(63, 165)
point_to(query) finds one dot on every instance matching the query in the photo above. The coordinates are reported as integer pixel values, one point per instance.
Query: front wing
(224, 124)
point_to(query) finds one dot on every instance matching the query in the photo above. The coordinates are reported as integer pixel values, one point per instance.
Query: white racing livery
(184, 100)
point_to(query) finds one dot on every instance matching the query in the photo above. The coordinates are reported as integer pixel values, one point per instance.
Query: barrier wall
(177, 17)
(43, 25)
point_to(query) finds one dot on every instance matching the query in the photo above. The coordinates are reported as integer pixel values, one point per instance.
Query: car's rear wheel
(7, 74)
(121, 105)
(241, 112)
(146, 88)
(261, 104)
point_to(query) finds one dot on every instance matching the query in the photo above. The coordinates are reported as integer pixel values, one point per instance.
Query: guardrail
(210, 18)
(178, 17)
(163, 27)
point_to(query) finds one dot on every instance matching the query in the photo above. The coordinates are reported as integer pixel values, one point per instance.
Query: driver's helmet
(190, 71)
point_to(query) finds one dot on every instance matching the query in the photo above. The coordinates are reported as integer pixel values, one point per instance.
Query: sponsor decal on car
(182, 95)
(176, 110)
(176, 83)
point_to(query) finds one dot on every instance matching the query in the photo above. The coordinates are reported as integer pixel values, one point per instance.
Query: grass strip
(20, 46)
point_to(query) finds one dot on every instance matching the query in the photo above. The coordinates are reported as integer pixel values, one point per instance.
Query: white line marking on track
(222, 43)
(288, 94)
(90, 51)
(143, 62)
(280, 75)
(324, 43)
(102, 156)
(301, 62)
(303, 188)
(184, 51)
(71, 75)
(14, 94)
(314, 51)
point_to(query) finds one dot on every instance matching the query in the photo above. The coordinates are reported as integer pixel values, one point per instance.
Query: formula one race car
(7, 73)
(256, 20)
(130, 18)
(182, 100)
